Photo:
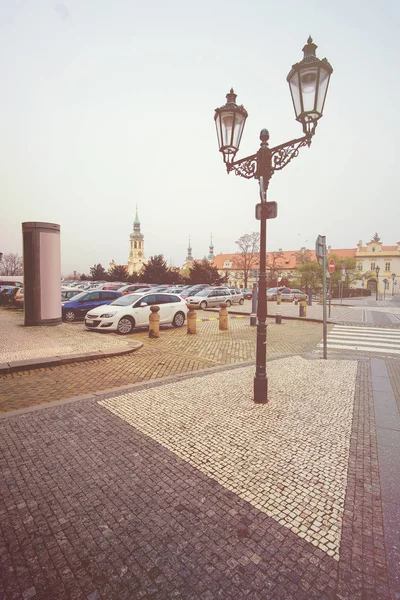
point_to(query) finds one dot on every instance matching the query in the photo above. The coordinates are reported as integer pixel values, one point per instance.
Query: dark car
(79, 305)
(7, 295)
(247, 294)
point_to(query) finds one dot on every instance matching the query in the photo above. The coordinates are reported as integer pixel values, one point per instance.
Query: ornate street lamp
(308, 81)
(377, 269)
(393, 278)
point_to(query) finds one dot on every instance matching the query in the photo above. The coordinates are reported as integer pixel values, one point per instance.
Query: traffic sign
(269, 210)
(331, 265)
(320, 249)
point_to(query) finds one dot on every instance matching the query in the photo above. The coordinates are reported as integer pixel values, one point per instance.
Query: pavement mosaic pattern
(21, 343)
(91, 508)
(288, 459)
(173, 353)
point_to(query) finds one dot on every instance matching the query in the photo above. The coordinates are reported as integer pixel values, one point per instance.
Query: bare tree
(11, 264)
(247, 256)
(303, 257)
(274, 266)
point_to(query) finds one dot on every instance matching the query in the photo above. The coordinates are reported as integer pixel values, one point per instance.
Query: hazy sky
(109, 103)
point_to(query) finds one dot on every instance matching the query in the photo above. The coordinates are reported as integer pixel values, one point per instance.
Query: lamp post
(377, 269)
(308, 81)
(393, 278)
(385, 285)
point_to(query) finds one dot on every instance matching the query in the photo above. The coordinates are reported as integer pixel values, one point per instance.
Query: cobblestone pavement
(194, 492)
(172, 353)
(19, 343)
(339, 313)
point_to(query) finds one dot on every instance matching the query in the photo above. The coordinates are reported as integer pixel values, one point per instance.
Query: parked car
(133, 287)
(19, 297)
(272, 292)
(11, 281)
(210, 297)
(7, 295)
(237, 296)
(79, 305)
(292, 294)
(133, 310)
(67, 293)
(193, 289)
(247, 294)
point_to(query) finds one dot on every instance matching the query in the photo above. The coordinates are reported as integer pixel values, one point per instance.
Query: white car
(133, 310)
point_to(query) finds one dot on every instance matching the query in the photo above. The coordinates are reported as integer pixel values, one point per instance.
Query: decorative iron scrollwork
(246, 167)
(283, 154)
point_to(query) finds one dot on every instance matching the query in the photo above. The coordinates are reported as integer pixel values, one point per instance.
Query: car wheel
(241, 301)
(228, 303)
(178, 319)
(69, 315)
(125, 325)
(203, 305)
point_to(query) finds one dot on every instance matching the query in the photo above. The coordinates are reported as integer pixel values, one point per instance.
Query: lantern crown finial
(231, 97)
(310, 48)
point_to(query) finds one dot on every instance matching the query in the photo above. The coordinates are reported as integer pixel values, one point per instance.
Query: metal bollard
(303, 309)
(278, 318)
(154, 322)
(223, 317)
(191, 320)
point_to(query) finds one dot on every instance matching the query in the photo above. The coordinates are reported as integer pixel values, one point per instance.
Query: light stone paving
(22, 343)
(287, 458)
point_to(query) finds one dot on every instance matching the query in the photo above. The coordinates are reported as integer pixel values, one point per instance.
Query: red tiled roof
(288, 260)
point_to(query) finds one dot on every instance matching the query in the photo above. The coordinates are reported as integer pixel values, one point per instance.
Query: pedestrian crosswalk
(375, 340)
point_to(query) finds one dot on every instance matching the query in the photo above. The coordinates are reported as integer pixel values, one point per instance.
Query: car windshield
(202, 293)
(126, 300)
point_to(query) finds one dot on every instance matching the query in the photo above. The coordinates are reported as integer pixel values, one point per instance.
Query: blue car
(79, 305)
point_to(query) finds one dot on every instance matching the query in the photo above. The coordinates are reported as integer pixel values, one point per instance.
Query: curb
(63, 359)
(290, 318)
(139, 385)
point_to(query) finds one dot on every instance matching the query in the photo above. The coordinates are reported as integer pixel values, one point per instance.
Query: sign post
(320, 250)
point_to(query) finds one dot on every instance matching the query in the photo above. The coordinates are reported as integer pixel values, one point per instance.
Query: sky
(109, 104)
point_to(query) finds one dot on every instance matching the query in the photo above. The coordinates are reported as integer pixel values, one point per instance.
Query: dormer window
(227, 264)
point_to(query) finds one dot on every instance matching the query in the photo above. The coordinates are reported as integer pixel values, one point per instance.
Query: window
(108, 296)
(360, 266)
(372, 266)
(387, 266)
(149, 299)
(386, 281)
(92, 297)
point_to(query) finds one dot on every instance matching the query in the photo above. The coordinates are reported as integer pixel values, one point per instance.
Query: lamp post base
(261, 390)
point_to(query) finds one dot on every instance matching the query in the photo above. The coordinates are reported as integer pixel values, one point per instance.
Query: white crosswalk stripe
(375, 340)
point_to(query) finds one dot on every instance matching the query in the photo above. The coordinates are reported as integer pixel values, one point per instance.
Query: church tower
(189, 252)
(211, 250)
(136, 254)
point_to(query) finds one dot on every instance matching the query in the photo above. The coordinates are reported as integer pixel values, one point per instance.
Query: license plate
(89, 322)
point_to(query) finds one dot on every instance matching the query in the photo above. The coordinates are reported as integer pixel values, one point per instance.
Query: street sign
(269, 210)
(320, 248)
(331, 265)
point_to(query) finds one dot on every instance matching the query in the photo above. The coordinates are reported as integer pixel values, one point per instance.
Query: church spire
(136, 221)
(211, 250)
(189, 252)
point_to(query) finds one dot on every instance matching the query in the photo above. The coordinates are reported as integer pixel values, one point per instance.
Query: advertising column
(42, 273)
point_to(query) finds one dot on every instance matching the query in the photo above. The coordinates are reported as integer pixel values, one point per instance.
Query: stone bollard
(278, 298)
(154, 322)
(278, 318)
(191, 319)
(223, 317)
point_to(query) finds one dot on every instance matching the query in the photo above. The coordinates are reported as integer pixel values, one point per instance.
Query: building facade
(282, 265)
(136, 253)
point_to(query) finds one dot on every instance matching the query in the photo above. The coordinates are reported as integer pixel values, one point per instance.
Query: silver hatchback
(210, 297)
